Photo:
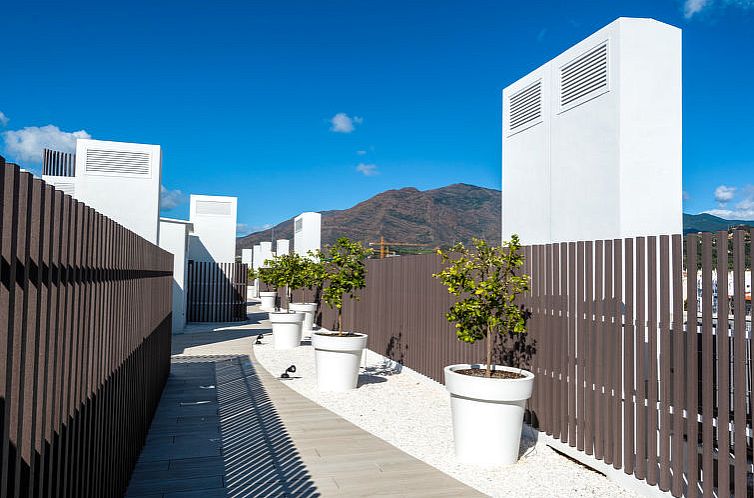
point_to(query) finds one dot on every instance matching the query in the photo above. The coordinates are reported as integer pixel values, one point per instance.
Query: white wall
(214, 220)
(307, 233)
(174, 238)
(608, 164)
(265, 252)
(256, 256)
(283, 247)
(120, 180)
(246, 257)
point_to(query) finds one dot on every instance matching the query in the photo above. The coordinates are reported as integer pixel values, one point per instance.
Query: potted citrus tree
(311, 276)
(282, 271)
(268, 298)
(487, 400)
(337, 354)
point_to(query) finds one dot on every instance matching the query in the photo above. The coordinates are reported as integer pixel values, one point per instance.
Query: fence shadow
(231, 435)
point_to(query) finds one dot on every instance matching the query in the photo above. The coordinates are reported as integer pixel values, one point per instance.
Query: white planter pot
(487, 414)
(268, 300)
(337, 360)
(309, 309)
(286, 329)
(251, 292)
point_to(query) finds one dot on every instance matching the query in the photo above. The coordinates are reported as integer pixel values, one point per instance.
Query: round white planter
(286, 329)
(337, 360)
(268, 300)
(487, 414)
(251, 292)
(309, 309)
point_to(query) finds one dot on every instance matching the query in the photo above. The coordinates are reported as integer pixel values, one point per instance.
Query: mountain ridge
(434, 217)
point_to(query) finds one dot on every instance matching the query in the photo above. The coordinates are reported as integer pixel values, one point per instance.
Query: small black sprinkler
(259, 339)
(291, 369)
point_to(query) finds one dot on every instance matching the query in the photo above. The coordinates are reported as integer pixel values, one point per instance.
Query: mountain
(704, 222)
(435, 217)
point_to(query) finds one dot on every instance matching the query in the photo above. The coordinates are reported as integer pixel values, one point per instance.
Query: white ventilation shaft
(592, 139)
(122, 181)
(214, 221)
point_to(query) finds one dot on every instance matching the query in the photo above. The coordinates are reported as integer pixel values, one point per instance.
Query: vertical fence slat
(572, 321)
(641, 359)
(664, 359)
(652, 391)
(589, 413)
(739, 366)
(618, 354)
(629, 390)
(692, 384)
(678, 365)
(707, 368)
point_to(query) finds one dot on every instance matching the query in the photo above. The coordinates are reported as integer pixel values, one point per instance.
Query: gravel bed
(412, 412)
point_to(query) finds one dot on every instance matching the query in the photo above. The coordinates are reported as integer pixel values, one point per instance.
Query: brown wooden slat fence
(216, 292)
(622, 373)
(85, 327)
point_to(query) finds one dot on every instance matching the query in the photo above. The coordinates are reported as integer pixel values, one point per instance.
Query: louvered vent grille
(584, 78)
(66, 187)
(116, 162)
(213, 208)
(526, 107)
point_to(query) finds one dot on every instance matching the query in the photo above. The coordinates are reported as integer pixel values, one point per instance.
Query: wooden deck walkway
(226, 428)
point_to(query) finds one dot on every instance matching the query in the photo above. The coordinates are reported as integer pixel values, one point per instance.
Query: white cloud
(361, 152)
(724, 194)
(741, 210)
(686, 195)
(367, 169)
(693, 7)
(170, 199)
(26, 145)
(343, 123)
(3, 119)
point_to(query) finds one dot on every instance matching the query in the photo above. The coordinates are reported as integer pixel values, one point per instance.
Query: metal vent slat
(585, 77)
(526, 106)
(214, 208)
(118, 162)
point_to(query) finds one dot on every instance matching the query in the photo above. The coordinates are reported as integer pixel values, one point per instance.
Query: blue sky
(297, 106)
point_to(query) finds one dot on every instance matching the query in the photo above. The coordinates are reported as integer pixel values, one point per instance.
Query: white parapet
(214, 220)
(256, 259)
(307, 233)
(246, 257)
(283, 246)
(592, 139)
(265, 252)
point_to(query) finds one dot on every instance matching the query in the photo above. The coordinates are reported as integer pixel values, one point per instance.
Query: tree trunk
(340, 322)
(489, 352)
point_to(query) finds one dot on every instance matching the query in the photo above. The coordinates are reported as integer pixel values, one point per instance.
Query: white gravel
(412, 412)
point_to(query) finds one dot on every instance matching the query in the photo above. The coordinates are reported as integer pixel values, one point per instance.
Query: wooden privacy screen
(85, 325)
(619, 366)
(216, 292)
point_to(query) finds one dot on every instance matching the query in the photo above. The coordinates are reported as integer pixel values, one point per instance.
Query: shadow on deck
(217, 434)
